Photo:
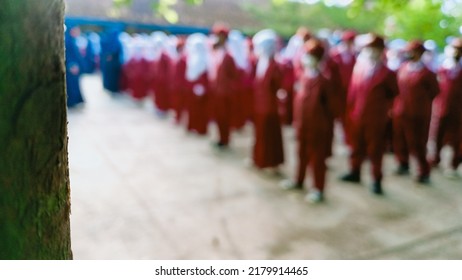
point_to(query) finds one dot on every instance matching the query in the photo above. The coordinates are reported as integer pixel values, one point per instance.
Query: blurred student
(197, 92)
(136, 68)
(268, 149)
(370, 97)
(73, 67)
(412, 110)
(316, 105)
(223, 78)
(344, 55)
(177, 79)
(111, 52)
(448, 106)
(159, 69)
(291, 70)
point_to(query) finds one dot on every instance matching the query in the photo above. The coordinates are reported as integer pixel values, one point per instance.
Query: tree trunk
(34, 179)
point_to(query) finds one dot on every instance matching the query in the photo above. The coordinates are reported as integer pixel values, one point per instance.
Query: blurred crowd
(387, 95)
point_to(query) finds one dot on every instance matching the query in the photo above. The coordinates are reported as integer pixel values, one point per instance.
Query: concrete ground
(142, 188)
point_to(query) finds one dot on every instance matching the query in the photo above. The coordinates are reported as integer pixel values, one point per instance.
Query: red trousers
(368, 140)
(410, 136)
(286, 108)
(223, 116)
(316, 160)
(449, 132)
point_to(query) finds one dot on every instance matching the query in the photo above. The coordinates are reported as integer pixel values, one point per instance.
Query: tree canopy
(164, 8)
(410, 19)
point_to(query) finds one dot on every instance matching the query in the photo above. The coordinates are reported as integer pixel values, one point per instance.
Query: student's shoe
(289, 185)
(220, 145)
(402, 170)
(377, 188)
(352, 177)
(315, 197)
(423, 179)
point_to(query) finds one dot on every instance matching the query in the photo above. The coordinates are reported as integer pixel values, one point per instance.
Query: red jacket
(370, 98)
(315, 109)
(345, 62)
(417, 89)
(449, 101)
(331, 72)
(223, 82)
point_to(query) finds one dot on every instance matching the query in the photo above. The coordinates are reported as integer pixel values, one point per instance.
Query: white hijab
(138, 47)
(264, 47)
(197, 56)
(237, 47)
(293, 48)
(158, 44)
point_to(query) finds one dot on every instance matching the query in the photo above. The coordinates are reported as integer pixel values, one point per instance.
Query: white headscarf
(264, 42)
(237, 47)
(158, 44)
(171, 46)
(293, 48)
(137, 47)
(196, 56)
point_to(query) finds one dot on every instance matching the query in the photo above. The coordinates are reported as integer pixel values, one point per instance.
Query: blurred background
(145, 188)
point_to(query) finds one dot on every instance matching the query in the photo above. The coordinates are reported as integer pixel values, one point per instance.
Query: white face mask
(371, 54)
(450, 52)
(309, 61)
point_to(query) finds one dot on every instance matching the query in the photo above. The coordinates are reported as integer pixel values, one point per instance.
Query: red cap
(220, 28)
(415, 45)
(375, 41)
(348, 35)
(314, 47)
(181, 42)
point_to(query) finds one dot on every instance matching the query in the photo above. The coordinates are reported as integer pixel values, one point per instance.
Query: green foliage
(163, 8)
(421, 19)
(194, 2)
(407, 19)
(412, 19)
(286, 18)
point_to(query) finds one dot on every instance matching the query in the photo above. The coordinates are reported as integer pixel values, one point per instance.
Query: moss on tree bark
(34, 180)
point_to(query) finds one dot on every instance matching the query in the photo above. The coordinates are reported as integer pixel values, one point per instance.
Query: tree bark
(34, 179)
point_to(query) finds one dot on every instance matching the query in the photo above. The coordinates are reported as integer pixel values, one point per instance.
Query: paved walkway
(142, 188)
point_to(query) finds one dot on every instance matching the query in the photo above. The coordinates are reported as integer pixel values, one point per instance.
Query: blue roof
(123, 25)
